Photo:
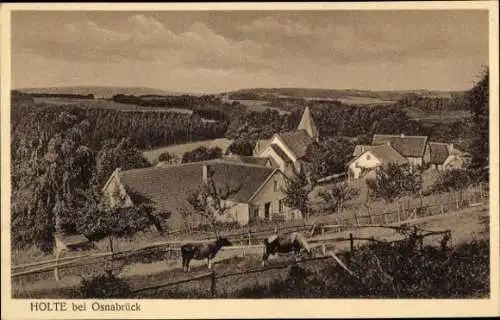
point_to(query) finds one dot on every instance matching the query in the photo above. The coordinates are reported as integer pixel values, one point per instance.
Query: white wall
(236, 212)
(267, 194)
(367, 160)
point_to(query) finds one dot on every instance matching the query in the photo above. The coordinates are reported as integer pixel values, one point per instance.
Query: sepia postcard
(249, 160)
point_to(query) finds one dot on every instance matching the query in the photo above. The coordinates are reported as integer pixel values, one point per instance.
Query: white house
(287, 149)
(374, 157)
(251, 191)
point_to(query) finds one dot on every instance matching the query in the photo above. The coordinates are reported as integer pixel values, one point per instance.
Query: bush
(452, 180)
(105, 285)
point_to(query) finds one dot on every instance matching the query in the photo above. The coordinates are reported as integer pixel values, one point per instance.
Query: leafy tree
(337, 195)
(297, 193)
(201, 154)
(209, 201)
(327, 157)
(99, 220)
(165, 156)
(393, 181)
(479, 102)
(242, 147)
(452, 180)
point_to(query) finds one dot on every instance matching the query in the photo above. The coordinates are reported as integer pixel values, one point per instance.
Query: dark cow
(283, 244)
(201, 251)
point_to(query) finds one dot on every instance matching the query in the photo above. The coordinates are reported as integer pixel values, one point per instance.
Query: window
(368, 157)
(267, 210)
(275, 185)
(281, 206)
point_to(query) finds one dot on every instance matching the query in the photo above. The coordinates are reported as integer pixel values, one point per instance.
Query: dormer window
(368, 157)
(275, 185)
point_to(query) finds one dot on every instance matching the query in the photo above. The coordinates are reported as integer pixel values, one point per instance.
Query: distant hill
(100, 92)
(334, 94)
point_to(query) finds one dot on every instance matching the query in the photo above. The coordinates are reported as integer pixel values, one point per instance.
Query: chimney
(450, 148)
(204, 177)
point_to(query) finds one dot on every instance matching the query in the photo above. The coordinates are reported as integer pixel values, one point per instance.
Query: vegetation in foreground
(384, 270)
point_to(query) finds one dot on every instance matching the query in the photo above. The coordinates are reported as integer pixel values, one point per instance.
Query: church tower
(307, 124)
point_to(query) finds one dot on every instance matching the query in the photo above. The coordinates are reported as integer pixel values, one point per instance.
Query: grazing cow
(283, 244)
(201, 251)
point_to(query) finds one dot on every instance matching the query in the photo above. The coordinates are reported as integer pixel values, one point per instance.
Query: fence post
(399, 215)
(356, 217)
(370, 216)
(442, 209)
(351, 241)
(323, 249)
(385, 218)
(56, 270)
(213, 281)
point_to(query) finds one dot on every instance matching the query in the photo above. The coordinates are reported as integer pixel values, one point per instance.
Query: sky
(218, 51)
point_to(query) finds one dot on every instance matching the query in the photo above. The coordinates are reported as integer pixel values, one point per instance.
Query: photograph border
(265, 308)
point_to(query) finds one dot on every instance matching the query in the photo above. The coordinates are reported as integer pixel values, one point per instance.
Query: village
(224, 155)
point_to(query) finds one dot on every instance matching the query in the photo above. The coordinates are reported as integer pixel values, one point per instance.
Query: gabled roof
(307, 124)
(168, 187)
(71, 239)
(385, 154)
(282, 154)
(359, 149)
(261, 161)
(439, 152)
(407, 146)
(261, 145)
(297, 142)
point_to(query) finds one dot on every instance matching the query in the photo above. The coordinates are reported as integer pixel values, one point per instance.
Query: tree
(99, 220)
(297, 193)
(479, 102)
(165, 156)
(242, 147)
(201, 154)
(393, 181)
(327, 157)
(209, 201)
(337, 195)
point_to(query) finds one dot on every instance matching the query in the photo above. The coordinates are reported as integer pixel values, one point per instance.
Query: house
(253, 191)
(70, 242)
(414, 148)
(260, 161)
(445, 156)
(374, 157)
(288, 149)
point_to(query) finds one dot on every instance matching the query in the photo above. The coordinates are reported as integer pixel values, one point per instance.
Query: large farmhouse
(255, 191)
(287, 150)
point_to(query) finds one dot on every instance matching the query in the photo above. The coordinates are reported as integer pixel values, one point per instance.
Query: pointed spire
(307, 124)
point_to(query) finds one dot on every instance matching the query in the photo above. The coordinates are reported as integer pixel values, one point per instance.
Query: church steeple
(307, 124)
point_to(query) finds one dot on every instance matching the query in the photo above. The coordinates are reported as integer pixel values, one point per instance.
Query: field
(257, 105)
(466, 225)
(107, 104)
(180, 149)
(353, 100)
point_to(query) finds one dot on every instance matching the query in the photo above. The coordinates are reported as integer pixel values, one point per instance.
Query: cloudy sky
(221, 51)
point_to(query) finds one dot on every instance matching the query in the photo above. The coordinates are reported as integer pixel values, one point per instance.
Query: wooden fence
(325, 255)
(249, 239)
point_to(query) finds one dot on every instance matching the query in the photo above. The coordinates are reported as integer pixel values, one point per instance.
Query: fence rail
(326, 255)
(411, 214)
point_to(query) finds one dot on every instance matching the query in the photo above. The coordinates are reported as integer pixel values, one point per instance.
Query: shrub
(105, 285)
